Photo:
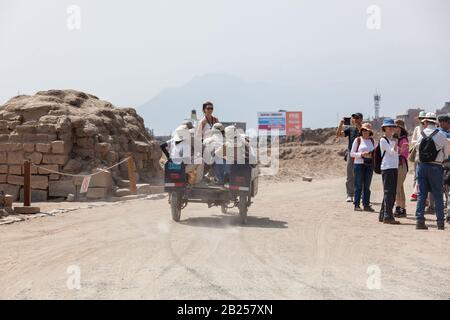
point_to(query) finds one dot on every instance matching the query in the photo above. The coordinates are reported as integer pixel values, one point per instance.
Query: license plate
(174, 166)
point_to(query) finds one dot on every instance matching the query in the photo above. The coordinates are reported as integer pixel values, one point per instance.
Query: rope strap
(80, 175)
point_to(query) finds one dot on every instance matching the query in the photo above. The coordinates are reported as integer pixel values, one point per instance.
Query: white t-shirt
(365, 145)
(390, 159)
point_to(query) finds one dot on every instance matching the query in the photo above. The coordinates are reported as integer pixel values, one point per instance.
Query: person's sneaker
(358, 208)
(380, 217)
(420, 225)
(441, 225)
(390, 221)
(368, 209)
(413, 197)
(398, 210)
(349, 199)
(429, 211)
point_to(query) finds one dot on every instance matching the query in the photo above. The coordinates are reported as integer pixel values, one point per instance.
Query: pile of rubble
(74, 133)
(314, 137)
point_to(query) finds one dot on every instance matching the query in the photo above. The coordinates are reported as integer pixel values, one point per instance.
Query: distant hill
(234, 100)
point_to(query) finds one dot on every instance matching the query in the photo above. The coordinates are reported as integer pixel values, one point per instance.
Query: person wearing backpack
(414, 138)
(403, 151)
(433, 150)
(389, 171)
(361, 153)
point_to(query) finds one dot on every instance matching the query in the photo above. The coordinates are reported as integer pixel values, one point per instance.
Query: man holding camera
(350, 127)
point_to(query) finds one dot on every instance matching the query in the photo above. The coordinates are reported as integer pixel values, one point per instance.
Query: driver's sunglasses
(209, 108)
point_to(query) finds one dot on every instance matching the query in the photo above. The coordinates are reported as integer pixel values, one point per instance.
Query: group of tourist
(392, 156)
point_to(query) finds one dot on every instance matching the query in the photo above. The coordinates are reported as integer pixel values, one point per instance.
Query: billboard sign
(288, 123)
(272, 120)
(294, 123)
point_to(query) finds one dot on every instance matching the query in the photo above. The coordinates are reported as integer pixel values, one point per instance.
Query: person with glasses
(362, 154)
(205, 125)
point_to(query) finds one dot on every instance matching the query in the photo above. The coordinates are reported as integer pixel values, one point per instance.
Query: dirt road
(301, 241)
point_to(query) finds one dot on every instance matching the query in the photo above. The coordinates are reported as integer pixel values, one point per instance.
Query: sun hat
(388, 122)
(422, 115)
(430, 117)
(188, 124)
(366, 126)
(400, 123)
(218, 126)
(181, 132)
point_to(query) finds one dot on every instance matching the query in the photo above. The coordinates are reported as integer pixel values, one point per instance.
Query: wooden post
(27, 183)
(131, 174)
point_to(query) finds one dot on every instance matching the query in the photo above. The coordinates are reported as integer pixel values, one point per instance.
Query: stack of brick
(74, 133)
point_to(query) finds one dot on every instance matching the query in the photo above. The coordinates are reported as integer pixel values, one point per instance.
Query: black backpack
(427, 147)
(378, 157)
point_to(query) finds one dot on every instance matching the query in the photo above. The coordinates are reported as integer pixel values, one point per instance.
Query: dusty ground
(301, 241)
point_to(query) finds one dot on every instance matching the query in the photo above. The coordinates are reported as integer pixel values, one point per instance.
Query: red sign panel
(294, 123)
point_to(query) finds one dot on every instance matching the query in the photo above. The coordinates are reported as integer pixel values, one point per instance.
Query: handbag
(368, 161)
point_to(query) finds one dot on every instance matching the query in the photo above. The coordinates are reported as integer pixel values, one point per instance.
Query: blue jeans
(363, 179)
(430, 178)
(220, 170)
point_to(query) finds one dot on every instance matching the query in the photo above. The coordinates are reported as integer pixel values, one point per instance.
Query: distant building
(445, 109)
(376, 123)
(410, 118)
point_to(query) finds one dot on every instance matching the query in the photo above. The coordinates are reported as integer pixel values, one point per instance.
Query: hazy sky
(128, 51)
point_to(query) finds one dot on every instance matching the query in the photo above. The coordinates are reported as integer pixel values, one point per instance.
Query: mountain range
(235, 100)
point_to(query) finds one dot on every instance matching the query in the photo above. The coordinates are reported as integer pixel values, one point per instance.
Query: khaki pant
(350, 183)
(400, 198)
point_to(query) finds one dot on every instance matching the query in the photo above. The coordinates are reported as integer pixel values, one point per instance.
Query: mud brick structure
(76, 133)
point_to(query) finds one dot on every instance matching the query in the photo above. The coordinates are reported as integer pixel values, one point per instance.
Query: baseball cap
(444, 118)
(357, 115)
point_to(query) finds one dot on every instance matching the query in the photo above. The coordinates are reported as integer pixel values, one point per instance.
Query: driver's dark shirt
(352, 133)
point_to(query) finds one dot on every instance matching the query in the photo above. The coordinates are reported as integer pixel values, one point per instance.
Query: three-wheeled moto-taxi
(238, 191)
